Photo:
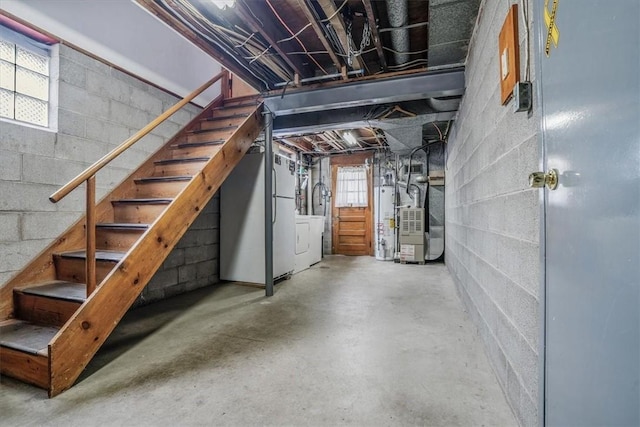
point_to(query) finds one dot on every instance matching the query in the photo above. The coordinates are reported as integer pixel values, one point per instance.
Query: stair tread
(230, 116)
(248, 99)
(234, 106)
(156, 201)
(199, 144)
(200, 131)
(151, 179)
(27, 337)
(58, 289)
(123, 226)
(184, 160)
(115, 256)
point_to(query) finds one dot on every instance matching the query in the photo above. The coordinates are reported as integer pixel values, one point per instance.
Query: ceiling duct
(398, 13)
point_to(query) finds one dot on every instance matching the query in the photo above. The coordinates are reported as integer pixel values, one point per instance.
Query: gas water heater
(384, 222)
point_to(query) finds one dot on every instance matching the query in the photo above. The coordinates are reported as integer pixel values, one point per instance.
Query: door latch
(540, 179)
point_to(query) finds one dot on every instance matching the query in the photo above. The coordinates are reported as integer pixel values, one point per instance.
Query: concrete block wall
(99, 107)
(193, 263)
(492, 217)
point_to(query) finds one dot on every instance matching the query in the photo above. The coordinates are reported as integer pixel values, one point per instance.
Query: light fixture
(349, 139)
(224, 3)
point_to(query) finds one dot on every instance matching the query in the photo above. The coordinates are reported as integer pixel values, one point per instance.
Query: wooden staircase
(50, 325)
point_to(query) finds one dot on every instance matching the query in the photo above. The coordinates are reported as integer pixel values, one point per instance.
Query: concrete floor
(350, 341)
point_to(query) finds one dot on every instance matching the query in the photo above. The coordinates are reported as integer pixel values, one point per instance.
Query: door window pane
(351, 187)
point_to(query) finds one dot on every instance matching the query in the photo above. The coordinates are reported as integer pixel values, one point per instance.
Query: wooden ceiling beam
(375, 35)
(307, 9)
(330, 141)
(296, 143)
(271, 34)
(337, 22)
(194, 38)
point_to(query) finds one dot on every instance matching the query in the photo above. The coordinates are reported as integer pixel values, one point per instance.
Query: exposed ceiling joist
(310, 14)
(335, 19)
(197, 40)
(316, 122)
(271, 34)
(297, 143)
(373, 25)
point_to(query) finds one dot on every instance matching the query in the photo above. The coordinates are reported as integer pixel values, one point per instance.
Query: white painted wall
(123, 33)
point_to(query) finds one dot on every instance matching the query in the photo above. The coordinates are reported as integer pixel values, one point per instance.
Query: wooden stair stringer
(41, 268)
(79, 339)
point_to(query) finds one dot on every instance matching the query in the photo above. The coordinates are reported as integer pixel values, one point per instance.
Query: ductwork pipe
(398, 13)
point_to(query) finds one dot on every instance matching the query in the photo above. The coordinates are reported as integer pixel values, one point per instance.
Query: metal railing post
(268, 204)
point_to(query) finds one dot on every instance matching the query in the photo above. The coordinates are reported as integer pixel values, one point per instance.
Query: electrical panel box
(522, 97)
(412, 240)
(509, 54)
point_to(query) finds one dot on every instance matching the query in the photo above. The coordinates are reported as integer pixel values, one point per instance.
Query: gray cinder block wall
(492, 217)
(99, 107)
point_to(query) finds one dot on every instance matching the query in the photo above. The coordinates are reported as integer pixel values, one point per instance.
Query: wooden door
(351, 226)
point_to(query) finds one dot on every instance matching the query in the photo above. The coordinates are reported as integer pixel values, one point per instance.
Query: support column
(268, 203)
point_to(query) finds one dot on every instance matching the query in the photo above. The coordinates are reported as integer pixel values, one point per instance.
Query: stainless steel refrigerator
(242, 220)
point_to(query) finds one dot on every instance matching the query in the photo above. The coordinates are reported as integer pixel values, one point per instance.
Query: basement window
(27, 90)
(351, 187)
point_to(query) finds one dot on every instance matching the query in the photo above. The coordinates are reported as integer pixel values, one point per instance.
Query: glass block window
(24, 84)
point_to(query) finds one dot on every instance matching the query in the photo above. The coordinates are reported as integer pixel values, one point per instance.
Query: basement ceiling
(287, 45)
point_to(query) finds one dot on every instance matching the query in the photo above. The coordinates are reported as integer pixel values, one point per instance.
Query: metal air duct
(398, 13)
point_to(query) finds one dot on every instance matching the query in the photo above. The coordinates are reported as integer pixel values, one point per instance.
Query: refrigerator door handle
(275, 192)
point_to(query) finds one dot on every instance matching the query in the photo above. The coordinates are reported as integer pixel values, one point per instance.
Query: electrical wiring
(291, 32)
(363, 52)
(417, 52)
(295, 35)
(259, 56)
(431, 46)
(254, 15)
(313, 52)
(217, 43)
(404, 27)
(246, 41)
(336, 12)
(408, 64)
(438, 129)
(254, 47)
(525, 19)
(316, 52)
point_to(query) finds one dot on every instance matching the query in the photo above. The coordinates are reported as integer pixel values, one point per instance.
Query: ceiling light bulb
(350, 139)
(224, 3)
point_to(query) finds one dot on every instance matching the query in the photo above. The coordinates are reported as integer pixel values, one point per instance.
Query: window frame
(346, 188)
(51, 52)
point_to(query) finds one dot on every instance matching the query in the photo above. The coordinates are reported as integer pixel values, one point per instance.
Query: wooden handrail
(93, 169)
